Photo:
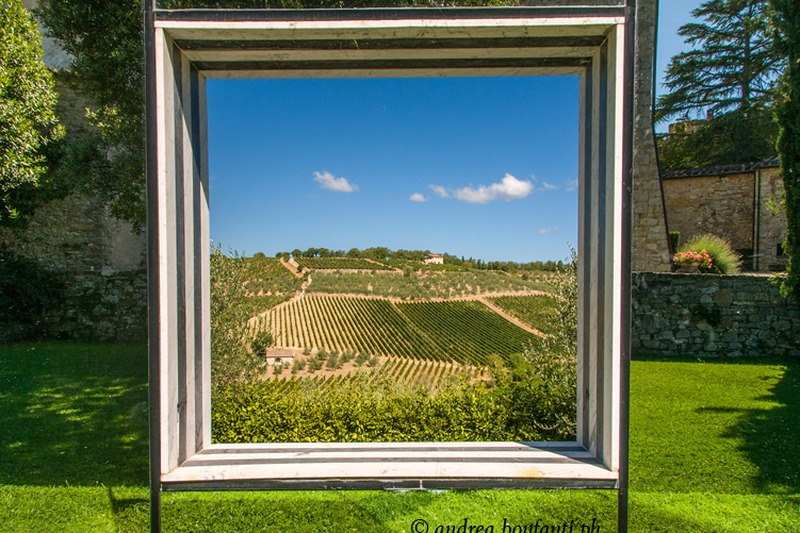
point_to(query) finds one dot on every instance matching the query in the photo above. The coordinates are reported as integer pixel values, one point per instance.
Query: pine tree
(729, 76)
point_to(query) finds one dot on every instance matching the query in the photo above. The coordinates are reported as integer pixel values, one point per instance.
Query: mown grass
(714, 448)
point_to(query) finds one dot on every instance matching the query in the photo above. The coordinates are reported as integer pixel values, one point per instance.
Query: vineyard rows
(422, 285)
(339, 263)
(535, 310)
(267, 276)
(414, 372)
(464, 331)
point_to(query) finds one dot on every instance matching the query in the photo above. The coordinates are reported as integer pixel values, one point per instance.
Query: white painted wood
(363, 461)
(614, 283)
(190, 228)
(592, 257)
(366, 54)
(389, 29)
(168, 246)
(395, 73)
(584, 198)
(204, 367)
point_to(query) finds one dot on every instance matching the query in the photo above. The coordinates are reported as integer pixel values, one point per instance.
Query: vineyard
(423, 285)
(535, 310)
(346, 349)
(340, 263)
(266, 276)
(415, 372)
(464, 331)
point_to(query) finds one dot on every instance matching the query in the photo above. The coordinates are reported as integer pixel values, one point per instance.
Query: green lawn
(715, 447)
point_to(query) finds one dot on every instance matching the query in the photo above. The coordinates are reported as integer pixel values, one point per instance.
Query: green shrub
(724, 260)
(674, 240)
(370, 407)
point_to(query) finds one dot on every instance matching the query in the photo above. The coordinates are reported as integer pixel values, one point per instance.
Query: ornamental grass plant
(724, 259)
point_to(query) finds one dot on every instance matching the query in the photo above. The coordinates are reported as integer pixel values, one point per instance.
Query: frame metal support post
(154, 317)
(625, 286)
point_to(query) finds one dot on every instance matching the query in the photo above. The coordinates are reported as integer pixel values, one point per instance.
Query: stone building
(734, 202)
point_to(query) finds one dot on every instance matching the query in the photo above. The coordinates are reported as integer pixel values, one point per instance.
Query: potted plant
(692, 261)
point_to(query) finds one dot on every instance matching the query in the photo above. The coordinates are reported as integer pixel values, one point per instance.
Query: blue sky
(480, 167)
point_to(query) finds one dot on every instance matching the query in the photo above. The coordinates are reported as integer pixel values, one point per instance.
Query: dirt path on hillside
(514, 320)
(291, 268)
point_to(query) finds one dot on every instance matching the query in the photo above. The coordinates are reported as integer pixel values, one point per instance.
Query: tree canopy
(728, 77)
(786, 17)
(27, 103)
(105, 39)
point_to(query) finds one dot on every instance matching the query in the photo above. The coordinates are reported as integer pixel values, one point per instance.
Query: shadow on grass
(772, 435)
(73, 414)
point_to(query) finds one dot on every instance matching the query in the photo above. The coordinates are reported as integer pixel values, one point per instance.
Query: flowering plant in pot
(690, 261)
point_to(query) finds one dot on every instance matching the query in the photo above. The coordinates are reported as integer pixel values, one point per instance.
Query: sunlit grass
(714, 448)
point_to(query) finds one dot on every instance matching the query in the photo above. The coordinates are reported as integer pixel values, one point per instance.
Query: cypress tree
(786, 19)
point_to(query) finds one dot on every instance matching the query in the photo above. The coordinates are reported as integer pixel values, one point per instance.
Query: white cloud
(418, 197)
(509, 188)
(572, 185)
(328, 181)
(549, 186)
(549, 231)
(439, 191)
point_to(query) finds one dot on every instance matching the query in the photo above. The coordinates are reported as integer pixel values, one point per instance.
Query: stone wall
(99, 262)
(108, 306)
(650, 248)
(722, 205)
(712, 316)
(771, 226)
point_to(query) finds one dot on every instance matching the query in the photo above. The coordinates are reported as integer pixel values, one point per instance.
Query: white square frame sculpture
(185, 48)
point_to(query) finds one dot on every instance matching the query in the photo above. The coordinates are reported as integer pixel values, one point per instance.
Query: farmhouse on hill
(434, 259)
(280, 356)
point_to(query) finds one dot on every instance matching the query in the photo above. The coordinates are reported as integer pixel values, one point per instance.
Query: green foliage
(104, 39)
(735, 137)
(376, 410)
(27, 291)
(786, 18)
(531, 396)
(537, 310)
(729, 72)
(27, 103)
(674, 240)
(235, 354)
(724, 259)
(425, 283)
(340, 263)
(553, 362)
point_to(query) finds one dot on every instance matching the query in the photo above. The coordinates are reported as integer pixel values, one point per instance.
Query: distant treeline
(381, 253)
